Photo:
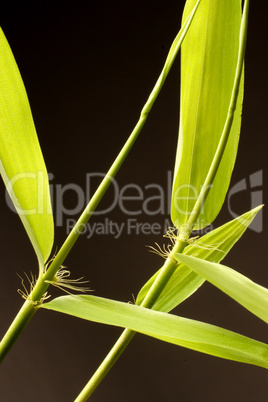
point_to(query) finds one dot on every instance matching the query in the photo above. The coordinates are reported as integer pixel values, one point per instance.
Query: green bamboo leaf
(21, 162)
(246, 292)
(180, 331)
(209, 57)
(213, 246)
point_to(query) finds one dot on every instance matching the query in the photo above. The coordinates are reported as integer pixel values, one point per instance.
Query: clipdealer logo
(133, 201)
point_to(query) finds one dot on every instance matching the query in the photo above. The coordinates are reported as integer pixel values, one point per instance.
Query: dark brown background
(88, 67)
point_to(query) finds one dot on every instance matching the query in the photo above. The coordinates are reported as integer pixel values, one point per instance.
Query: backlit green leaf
(180, 331)
(209, 57)
(21, 162)
(213, 246)
(250, 295)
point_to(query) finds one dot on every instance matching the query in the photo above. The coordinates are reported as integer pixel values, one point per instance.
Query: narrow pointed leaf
(180, 331)
(213, 246)
(21, 162)
(246, 292)
(209, 58)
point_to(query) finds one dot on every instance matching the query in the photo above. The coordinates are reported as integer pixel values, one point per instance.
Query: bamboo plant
(212, 40)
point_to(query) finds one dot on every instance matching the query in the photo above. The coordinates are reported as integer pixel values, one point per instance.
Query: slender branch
(21, 320)
(163, 277)
(82, 221)
(29, 307)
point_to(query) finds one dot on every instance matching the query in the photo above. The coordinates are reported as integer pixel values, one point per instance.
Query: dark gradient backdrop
(88, 67)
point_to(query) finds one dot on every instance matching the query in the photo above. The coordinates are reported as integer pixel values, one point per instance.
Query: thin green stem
(29, 307)
(21, 320)
(162, 279)
(103, 187)
(170, 265)
(164, 275)
(106, 365)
